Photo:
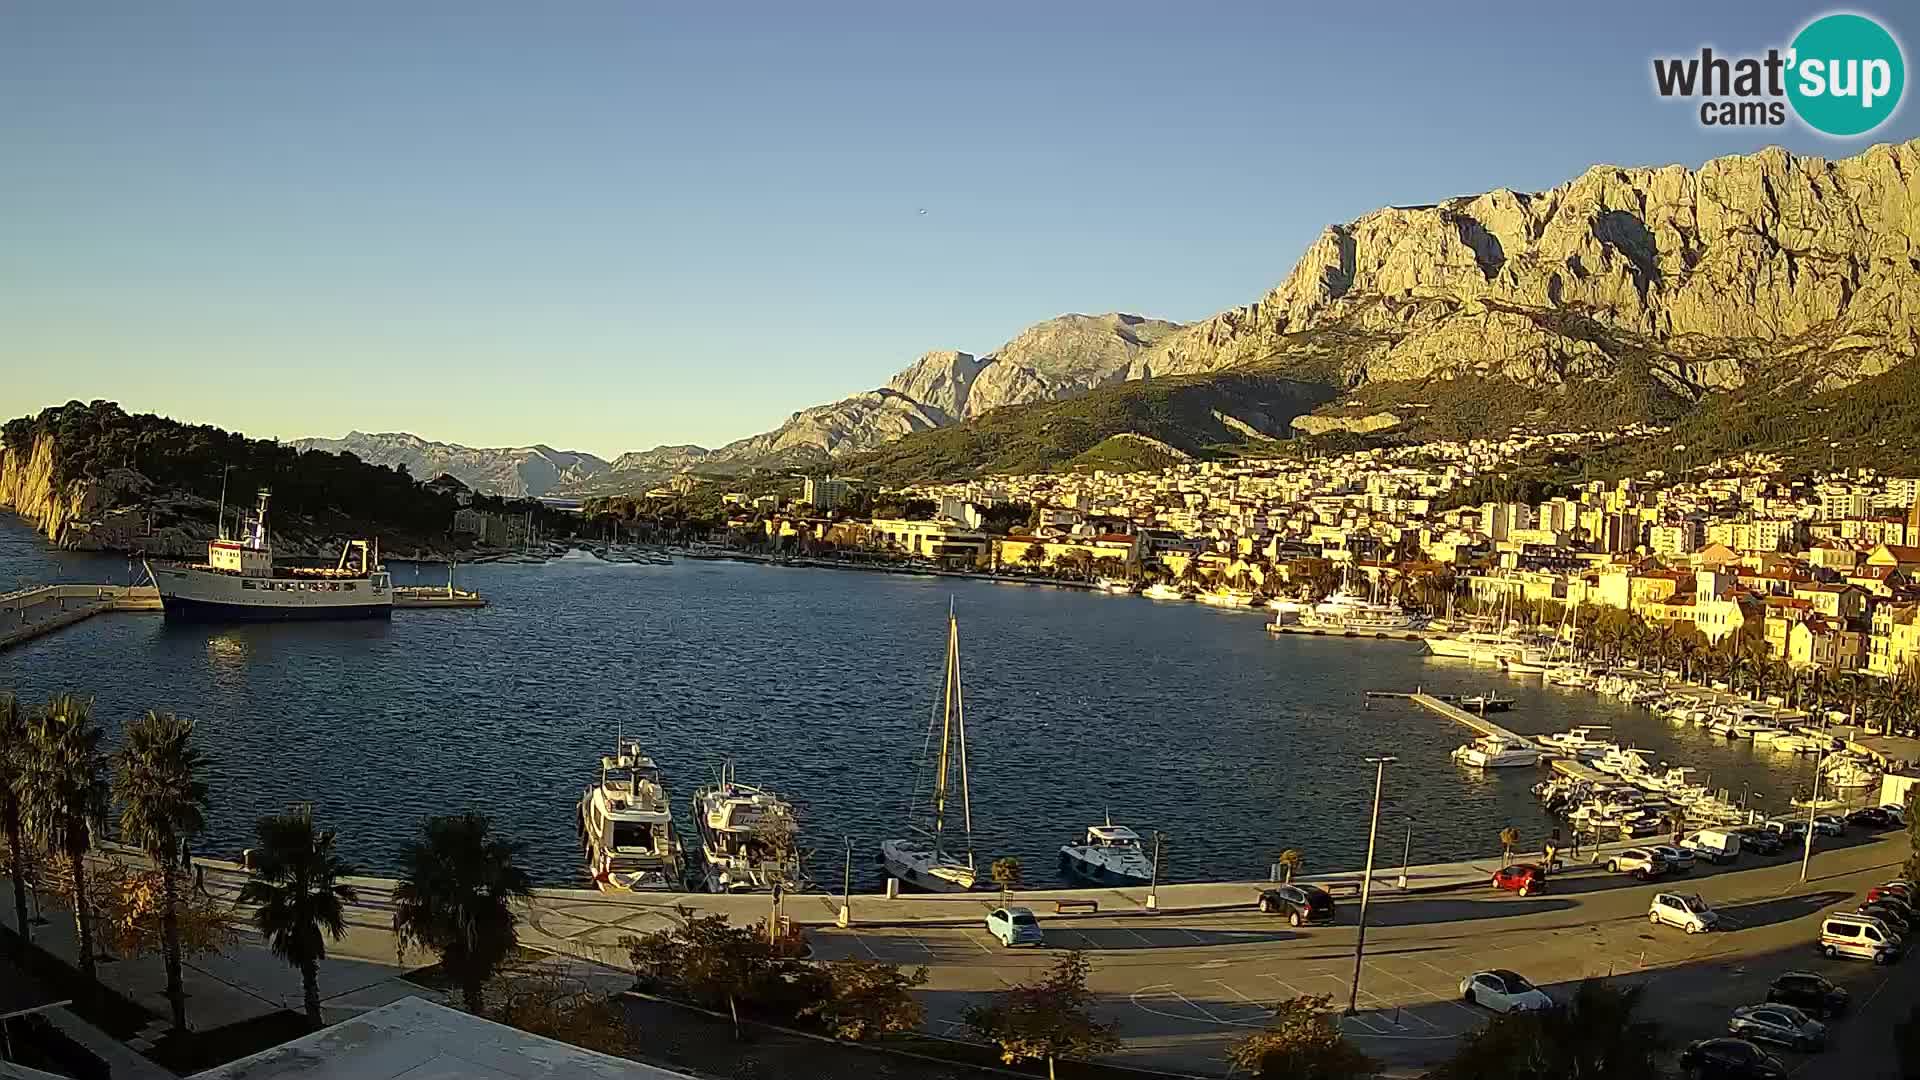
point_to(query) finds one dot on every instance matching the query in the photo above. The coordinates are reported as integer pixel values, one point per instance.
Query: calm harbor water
(819, 684)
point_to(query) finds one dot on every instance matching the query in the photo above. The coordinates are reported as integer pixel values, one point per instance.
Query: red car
(1522, 878)
(1897, 890)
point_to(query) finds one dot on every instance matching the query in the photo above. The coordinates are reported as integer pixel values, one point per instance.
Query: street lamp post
(1806, 855)
(1406, 854)
(1366, 883)
(846, 888)
(1153, 887)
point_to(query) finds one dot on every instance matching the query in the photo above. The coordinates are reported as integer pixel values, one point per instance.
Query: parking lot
(1182, 986)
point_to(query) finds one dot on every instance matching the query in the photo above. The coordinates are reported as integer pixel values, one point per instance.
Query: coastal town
(1821, 572)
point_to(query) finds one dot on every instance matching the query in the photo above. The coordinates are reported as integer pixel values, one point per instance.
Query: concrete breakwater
(26, 614)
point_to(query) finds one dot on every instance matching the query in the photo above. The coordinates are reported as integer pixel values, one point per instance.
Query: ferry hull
(1096, 873)
(187, 609)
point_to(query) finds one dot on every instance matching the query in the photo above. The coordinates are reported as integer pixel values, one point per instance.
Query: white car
(1686, 911)
(1829, 825)
(1015, 926)
(1503, 991)
(1640, 862)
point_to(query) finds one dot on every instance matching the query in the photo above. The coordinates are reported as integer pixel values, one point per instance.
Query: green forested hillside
(1197, 415)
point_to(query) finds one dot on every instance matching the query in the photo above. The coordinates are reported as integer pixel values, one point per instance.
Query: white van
(1716, 844)
(1862, 937)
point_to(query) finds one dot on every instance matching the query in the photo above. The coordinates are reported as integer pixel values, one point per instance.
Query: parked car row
(1795, 1015)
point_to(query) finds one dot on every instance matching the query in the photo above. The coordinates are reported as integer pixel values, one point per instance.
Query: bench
(1063, 906)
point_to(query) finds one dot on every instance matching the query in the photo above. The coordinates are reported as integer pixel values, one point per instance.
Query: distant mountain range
(525, 470)
(1624, 294)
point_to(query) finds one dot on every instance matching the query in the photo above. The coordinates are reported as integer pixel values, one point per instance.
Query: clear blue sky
(608, 226)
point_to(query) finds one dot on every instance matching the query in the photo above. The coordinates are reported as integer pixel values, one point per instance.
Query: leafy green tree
(867, 998)
(1593, 1036)
(13, 763)
(1048, 1019)
(1301, 1042)
(1290, 860)
(457, 897)
(1033, 555)
(63, 792)
(298, 898)
(1006, 874)
(158, 775)
(710, 962)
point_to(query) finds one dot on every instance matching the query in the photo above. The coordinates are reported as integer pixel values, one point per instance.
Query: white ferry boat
(240, 583)
(748, 838)
(1112, 855)
(627, 825)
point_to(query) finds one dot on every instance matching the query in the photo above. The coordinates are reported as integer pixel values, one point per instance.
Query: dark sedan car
(1898, 919)
(1729, 1059)
(1809, 993)
(1761, 841)
(1871, 817)
(1299, 903)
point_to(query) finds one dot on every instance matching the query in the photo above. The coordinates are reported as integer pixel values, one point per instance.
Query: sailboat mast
(960, 723)
(946, 740)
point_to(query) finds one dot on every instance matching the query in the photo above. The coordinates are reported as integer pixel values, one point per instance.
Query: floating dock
(1482, 725)
(409, 597)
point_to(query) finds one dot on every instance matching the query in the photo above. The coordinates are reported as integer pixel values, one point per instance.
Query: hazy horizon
(618, 228)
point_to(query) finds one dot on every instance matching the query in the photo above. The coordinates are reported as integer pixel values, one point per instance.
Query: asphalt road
(1182, 986)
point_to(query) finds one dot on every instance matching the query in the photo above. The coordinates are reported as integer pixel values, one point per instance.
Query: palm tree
(1509, 839)
(13, 755)
(457, 899)
(163, 805)
(62, 789)
(299, 896)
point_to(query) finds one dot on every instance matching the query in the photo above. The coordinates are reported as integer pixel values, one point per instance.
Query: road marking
(1261, 1008)
(970, 937)
(862, 939)
(1425, 993)
(915, 938)
(1137, 936)
(1189, 1003)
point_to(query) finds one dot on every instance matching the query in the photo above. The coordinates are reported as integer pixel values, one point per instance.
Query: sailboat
(925, 860)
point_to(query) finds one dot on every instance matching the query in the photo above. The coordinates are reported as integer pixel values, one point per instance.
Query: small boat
(1849, 771)
(1529, 662)
(924, 860)
(1486, 703)
(1578, 742)
(1496, 752)
(1228, 598)
(1161, 590)
(1111, 855)
(1117, 586)
(627, 825)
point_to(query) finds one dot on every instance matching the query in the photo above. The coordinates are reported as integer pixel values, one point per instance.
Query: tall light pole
(1813, 803)
(1366, 883)
(1153, 888)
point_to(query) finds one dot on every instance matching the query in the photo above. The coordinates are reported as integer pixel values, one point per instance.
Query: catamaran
(927, 860)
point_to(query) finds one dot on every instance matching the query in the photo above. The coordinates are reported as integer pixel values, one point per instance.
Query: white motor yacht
(627, 825)
(1529, 662)
(748, 837)
(1849, 771)
(1161, 590)
(1111, 855)
(1477, 646)
(1117, 586)
(1345, 611)
(1496, 752)
(1228, 598)
(1578, 742)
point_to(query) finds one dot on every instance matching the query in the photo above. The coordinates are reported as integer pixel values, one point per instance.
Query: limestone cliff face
(27, 488)
(1766, 265)
(513, 471)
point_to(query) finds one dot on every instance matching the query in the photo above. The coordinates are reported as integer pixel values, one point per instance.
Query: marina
(819, 685)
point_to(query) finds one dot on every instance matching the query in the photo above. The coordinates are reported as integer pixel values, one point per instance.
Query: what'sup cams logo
(1842, 76)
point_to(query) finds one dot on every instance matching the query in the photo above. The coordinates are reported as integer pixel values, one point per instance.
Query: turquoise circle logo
(1848, 74)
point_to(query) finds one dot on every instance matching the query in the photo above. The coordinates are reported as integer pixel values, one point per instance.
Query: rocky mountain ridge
(511, 471)
(1762, 267)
